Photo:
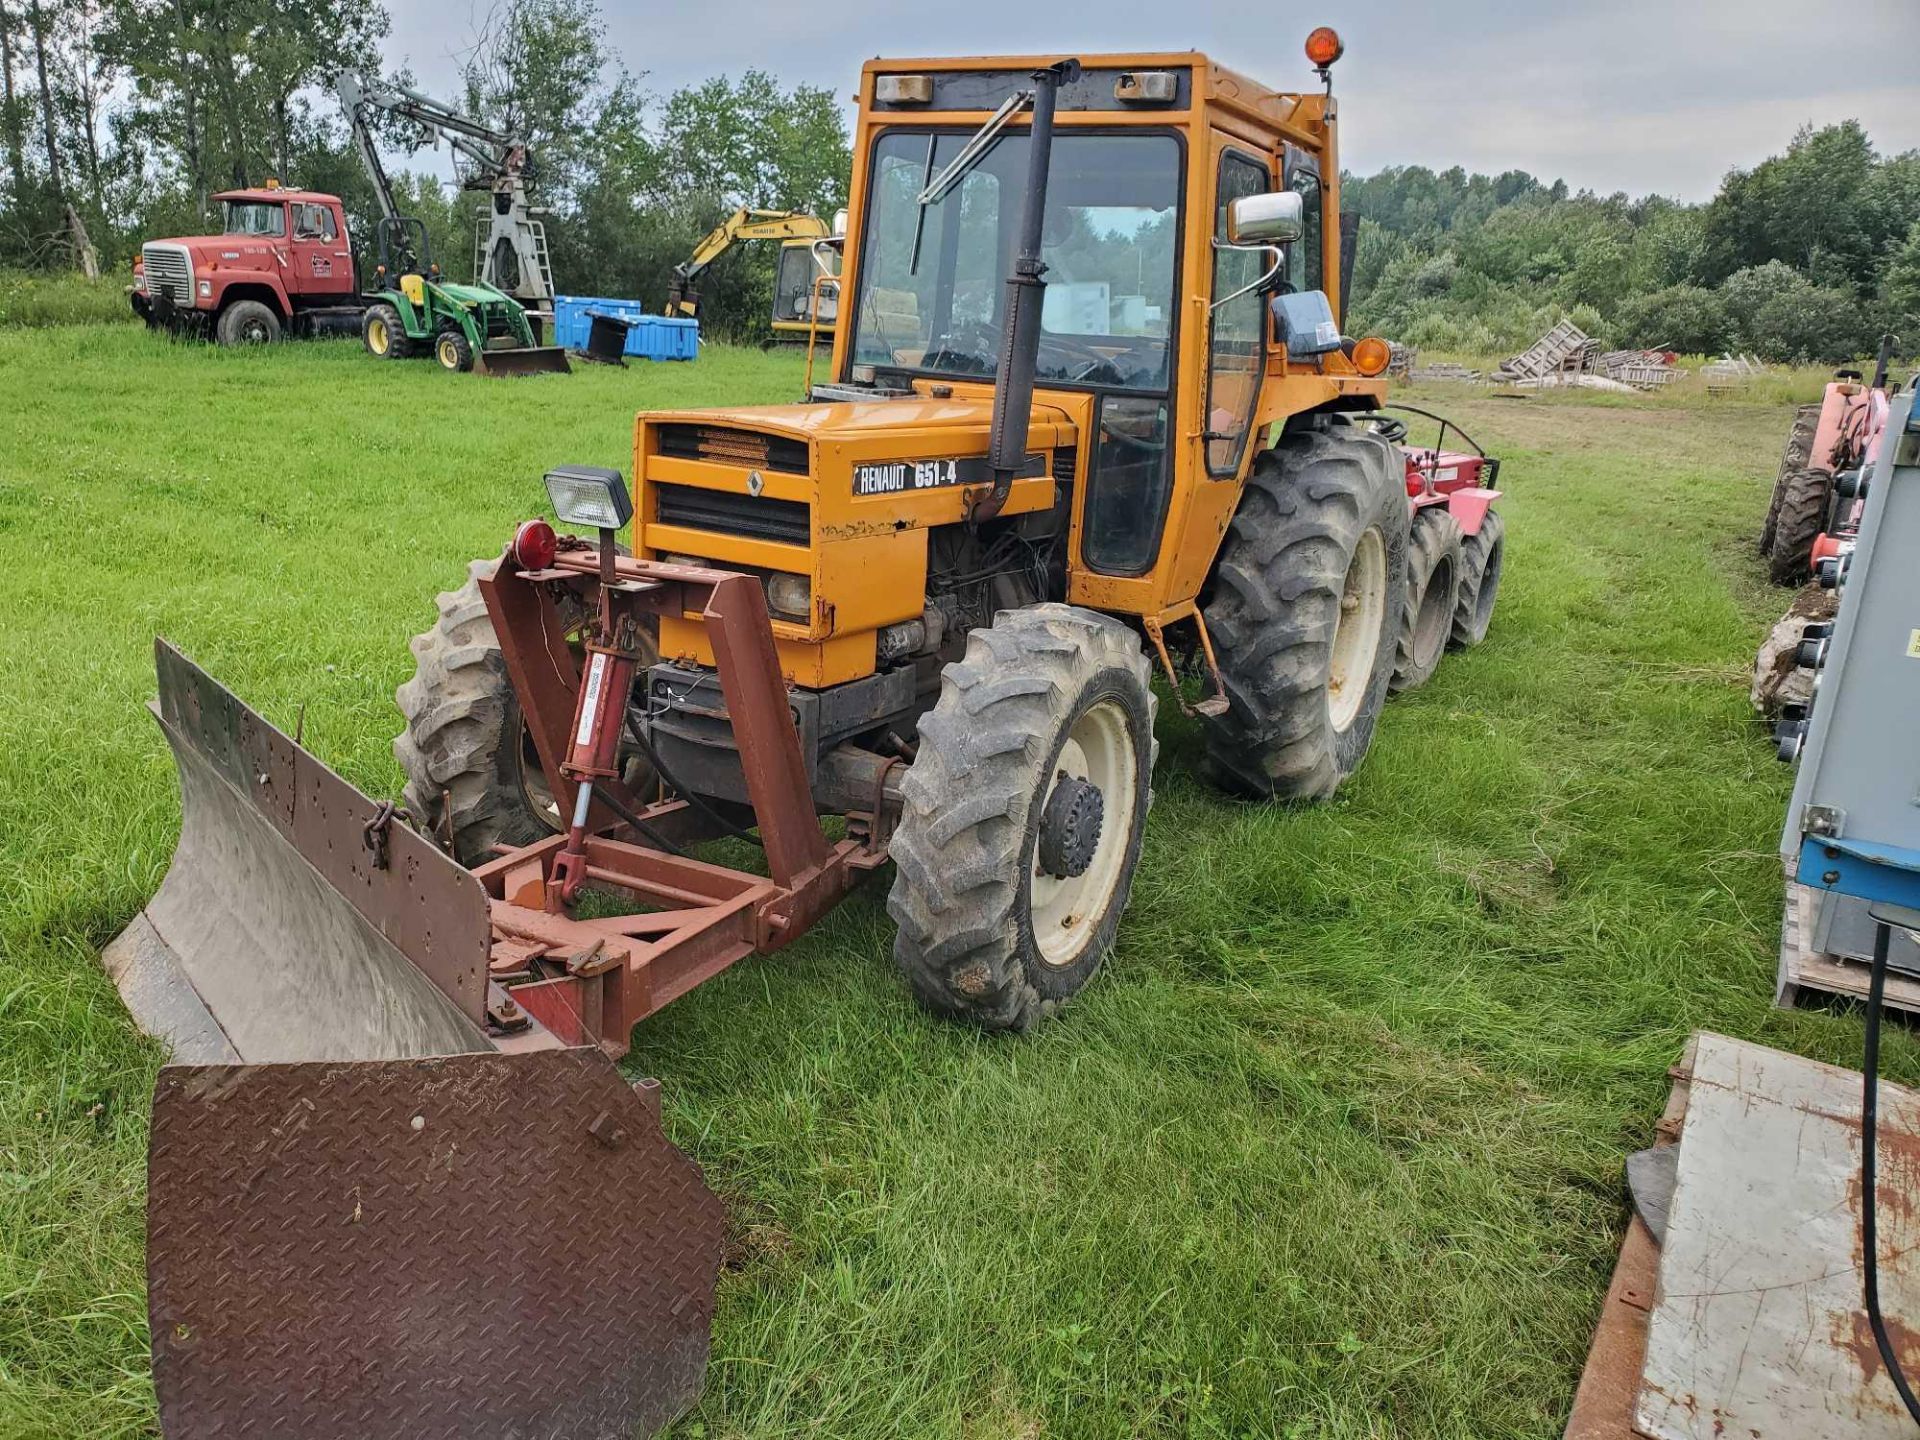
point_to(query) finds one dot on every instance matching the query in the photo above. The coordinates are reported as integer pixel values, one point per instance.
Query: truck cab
(282, 263)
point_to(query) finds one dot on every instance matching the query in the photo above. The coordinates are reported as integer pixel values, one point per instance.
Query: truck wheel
(1433, 593)
(383, 335)
(1797, 524)
(1792, 460)
(1481, 556)
(1024, 811)
(1304, 610)
(465, 743)
(454, 352)
(247, 322)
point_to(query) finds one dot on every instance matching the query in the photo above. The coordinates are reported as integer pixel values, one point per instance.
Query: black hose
(1869, 1127)
(727, 826)
(606, 798)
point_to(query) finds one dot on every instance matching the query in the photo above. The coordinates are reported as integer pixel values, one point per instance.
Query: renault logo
(755, 482)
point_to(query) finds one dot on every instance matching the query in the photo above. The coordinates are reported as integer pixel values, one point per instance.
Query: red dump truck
(282, 265)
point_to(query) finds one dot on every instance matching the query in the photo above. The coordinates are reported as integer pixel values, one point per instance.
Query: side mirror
(840, 223)
(1275, 218)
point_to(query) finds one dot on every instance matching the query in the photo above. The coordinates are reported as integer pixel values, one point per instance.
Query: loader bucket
(370, 1213)
(523, 360)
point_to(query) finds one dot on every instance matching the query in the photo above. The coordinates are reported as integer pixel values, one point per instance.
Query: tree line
(119, 119)
(1811, 255)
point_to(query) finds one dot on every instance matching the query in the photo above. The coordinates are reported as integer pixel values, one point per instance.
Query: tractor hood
(822, 439)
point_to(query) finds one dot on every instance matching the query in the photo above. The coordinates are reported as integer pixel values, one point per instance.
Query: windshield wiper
(975, 149)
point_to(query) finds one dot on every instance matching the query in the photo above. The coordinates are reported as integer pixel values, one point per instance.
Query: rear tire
(1010, 877)
(1797, 524)
(1304, 611)
(454, 352)
(1799, 449)
(1433, 592)
(383, 335)
(1482, 556)
(247, 322)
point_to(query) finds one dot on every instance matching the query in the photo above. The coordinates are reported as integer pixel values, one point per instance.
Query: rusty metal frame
(589, 981)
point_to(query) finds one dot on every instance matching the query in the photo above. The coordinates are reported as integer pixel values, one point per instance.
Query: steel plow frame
(397, 1186)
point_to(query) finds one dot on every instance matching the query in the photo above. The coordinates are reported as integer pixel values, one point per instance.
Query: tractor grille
(757, 517)
(1066, 463)
(169, 273)
(725, 445)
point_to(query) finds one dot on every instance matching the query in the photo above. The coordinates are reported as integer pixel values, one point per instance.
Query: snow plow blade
(373, 1209)
(523, 360)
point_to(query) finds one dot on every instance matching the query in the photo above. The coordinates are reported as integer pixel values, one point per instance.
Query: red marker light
(534, 545)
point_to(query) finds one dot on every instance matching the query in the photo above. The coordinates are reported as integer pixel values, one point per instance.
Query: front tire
(247, 322)
(453, 350)
(1023, 816)
(466, 750)
(1304, 612)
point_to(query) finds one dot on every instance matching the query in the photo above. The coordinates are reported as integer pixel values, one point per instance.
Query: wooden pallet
(1807, 974)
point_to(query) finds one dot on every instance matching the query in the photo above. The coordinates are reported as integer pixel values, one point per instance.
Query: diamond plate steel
(484, 1245)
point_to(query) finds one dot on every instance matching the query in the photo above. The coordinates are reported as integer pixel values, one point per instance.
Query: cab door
(317, 262)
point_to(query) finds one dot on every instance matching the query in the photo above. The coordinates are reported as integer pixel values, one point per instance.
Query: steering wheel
(1390, 429)
(1146, 446)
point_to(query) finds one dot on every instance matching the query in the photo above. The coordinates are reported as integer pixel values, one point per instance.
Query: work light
(589, 495)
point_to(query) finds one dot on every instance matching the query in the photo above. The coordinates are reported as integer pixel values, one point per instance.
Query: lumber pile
(1444, 370)
(1567, 355)
(1565, 349)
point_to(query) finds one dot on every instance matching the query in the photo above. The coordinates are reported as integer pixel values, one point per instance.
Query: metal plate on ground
(475, 1245)
(278, 934)
(1759, 1329)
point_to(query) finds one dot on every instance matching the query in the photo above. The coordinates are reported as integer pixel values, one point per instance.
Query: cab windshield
(932, 277)
(255, 217)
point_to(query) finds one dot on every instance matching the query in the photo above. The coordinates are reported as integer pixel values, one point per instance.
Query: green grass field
(1333, 1147)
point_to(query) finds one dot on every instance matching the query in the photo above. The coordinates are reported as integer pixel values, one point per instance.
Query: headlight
(206, 289)
(790, 596)
(589, 495)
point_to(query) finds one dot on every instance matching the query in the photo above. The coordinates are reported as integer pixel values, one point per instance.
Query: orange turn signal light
(1324, 47)
(1370, 356)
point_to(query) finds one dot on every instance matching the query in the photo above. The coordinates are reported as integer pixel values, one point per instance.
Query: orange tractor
(398, 1185)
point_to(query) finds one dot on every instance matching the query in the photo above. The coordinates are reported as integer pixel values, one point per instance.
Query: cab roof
(1212, 79)
(269, 194)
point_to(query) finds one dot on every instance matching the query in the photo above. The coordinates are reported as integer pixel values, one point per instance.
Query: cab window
(255, 217)
(1306, 257)
(313, 222)
(1236, 339)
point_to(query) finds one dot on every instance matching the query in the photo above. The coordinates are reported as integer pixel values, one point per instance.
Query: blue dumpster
(652, 337)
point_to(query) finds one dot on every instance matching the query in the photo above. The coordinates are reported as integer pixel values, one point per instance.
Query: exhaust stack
(1026, 295)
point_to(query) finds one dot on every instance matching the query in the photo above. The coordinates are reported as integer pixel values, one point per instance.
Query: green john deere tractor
(464, 327)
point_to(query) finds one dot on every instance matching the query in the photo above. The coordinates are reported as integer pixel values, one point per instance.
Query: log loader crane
(510, 240)
(1091, 409)
(491, 324)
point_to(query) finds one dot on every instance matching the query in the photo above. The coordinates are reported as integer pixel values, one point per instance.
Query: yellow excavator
(806, 290)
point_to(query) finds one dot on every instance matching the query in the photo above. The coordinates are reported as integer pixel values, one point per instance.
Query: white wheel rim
(1065, 913)
(1356, 633)
(1434, 619)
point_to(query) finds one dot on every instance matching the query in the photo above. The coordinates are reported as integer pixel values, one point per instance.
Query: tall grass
(37, 298)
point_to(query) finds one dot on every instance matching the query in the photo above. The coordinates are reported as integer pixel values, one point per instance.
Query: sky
(1608, 95)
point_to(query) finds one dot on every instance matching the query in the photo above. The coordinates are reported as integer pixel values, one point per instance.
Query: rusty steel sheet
(497, 1245)
(1758, 1327)
(284, 929)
